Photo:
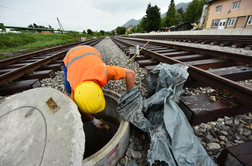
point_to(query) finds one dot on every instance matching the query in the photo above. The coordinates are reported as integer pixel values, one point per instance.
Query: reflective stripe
(106, 71)
(98, 52)
(75, 49)
(94, 81)
(79, 57)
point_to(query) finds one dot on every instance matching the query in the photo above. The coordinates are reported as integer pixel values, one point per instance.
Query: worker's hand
(99, 124)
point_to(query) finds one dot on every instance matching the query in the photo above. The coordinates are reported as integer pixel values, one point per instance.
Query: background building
(129, 28)
(228, 14)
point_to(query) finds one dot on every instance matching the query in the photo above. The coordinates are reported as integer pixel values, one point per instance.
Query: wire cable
(24, 12)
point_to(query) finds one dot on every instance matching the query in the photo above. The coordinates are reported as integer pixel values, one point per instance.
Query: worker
(85, 75)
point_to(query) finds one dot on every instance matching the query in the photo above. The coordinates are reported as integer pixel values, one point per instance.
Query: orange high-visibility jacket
(84, 63)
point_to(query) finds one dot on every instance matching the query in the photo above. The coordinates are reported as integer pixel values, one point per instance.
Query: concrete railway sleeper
(206, 67)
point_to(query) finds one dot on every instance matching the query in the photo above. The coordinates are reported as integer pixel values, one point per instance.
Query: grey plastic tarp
(172, 138)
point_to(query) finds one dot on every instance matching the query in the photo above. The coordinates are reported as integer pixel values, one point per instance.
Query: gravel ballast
(214, 136)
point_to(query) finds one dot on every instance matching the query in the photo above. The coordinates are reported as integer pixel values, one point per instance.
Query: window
(215, 23)
(231, 21)
(250, 20)
(236, 5)
(222, 23)
(218, 9)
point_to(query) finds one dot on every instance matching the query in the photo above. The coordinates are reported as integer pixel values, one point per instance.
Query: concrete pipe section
(42, 126)
(107, 146)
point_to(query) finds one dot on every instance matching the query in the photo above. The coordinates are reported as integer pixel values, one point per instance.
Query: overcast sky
(77, 15)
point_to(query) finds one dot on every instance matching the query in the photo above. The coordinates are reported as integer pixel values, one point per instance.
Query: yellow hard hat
(89, 97)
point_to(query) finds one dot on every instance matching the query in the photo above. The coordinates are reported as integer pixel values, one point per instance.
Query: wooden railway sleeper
(243, 94)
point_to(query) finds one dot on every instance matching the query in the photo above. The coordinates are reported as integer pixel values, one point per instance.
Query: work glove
(98, 123)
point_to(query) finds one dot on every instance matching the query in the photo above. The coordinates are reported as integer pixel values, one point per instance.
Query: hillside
(136, 22)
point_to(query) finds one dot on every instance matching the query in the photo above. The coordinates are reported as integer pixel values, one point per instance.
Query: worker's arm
(89, 117)
(116, 73)
(130, 78)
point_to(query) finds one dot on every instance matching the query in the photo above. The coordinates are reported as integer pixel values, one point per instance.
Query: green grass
(14, 42)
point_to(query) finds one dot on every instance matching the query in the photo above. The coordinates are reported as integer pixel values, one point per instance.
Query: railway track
(206, 68)
(234, 41)
(25, 72)
(217, 69)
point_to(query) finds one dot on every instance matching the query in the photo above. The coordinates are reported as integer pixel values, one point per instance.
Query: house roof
(209, 1)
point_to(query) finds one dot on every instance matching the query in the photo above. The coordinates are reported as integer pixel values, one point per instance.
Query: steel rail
(13, 81)
(220, 54)
(242, 93)
(246, 39)
(32, 54)
(12, 75)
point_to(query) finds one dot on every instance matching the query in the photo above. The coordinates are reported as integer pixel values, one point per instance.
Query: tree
(163, 22)
(146, 16)
(97, 34)
(113, 32)
(108, 33)
(84, 32)
(90, 32)
(30, 26)
(3, 30)
(190, 11)
(199, 9)
(102, 32)
(194, 10)
(147, 10)
(177, 19)
(141, 26)
(181, 12)
(170, 15)
(35, 25)
(133, 30)
(120, 30)
(153, 19)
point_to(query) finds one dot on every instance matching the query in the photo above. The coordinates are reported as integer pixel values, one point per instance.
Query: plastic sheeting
(172, 138)
(131, 163)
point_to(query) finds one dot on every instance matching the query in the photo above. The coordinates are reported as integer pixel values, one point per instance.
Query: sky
(77, 15)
